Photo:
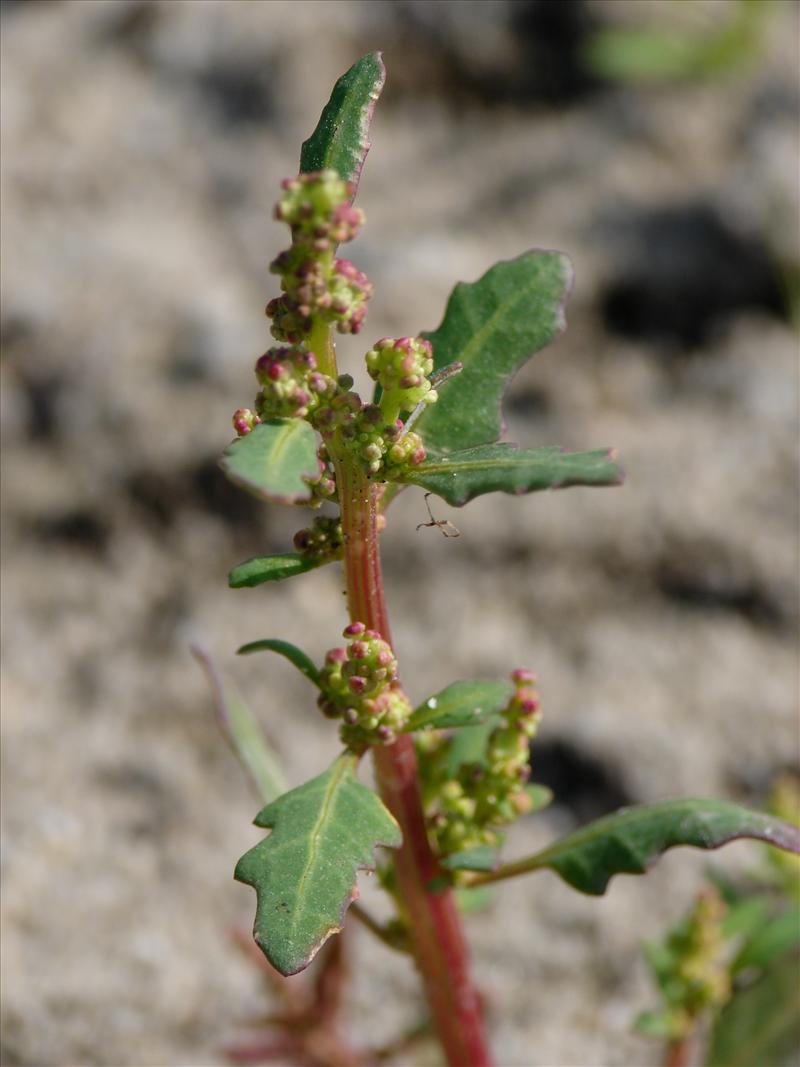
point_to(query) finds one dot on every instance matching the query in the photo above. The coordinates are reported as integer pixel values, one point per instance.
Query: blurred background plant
(727, 973)
(142, 144)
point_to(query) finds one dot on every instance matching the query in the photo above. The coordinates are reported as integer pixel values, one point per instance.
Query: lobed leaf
(505, 468)
(262, 569)
(294, 654)
(243, 733)
(275, 461)
(461, 704)
(340, 140)
(492, 326)
(304, 873)
(632, 839)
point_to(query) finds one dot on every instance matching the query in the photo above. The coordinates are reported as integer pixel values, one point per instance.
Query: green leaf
(480, 858)
(504, 468)
(470, 901)
(261, 569)
(492, 326)
(541, 796)
(275, 461)
(294, 654)
(243, 733)
(760, 1025)
(777, 936)
(304, 873)
(469, 745)
(632, 839)
(461, 704)
(341, 138)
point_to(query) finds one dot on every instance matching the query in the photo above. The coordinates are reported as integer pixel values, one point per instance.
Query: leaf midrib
(489, 326)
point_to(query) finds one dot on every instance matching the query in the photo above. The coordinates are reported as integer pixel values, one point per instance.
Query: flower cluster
(691, 969)
(402, 368)
(384, 449)
(323, 541)
(291, 385)
(359, 685)
(465, 810)
(316, 284)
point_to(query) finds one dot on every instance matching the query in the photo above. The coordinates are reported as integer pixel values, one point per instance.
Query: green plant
(727, 972)
(452, 771)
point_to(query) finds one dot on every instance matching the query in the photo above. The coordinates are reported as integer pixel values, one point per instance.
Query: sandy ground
(142, 147)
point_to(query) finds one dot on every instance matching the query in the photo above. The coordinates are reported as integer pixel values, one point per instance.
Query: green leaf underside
(541, 796)
(760, 1025)
(244, 734)
(294, 654)
(492, 326)
(461, 704)
(275, 460)
(341, 138)
(480, 858)
(304, 872)
(632, 839)
(504, 468)
(262, 569)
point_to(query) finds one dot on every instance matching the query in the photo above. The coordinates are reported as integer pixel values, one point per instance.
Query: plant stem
(434, 923)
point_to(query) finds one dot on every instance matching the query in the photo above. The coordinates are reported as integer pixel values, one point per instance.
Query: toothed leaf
(341, 138)
(304, 873)
(275, 461)
(492, 326)
(458, 477)
(632, 839)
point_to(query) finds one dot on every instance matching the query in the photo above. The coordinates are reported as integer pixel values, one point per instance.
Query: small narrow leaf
(469, 745)
(480, 858)
(541, 797)
(243, 733)
(492, 326)
(261, 569)
(341, 138)
(275, 461)
(632, 839)
(461, 704)
(284, 648)
(304, 873)
(504, 468)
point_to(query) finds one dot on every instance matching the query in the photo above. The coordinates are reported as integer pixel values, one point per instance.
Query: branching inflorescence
(453, 772)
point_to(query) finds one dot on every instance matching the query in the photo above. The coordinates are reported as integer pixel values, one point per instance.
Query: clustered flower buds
(402, 368)
(291, 385)
(359, 685)
(694, 968)
(323, 541)
(384, 449)
(244, 420)
(466, 811)
(317, 285)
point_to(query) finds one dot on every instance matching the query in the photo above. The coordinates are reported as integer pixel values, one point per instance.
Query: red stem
(435, 927)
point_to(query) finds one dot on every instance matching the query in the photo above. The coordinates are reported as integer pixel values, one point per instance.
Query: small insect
(443, 524)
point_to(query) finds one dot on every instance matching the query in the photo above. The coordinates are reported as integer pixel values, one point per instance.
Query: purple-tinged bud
(372, 635)
(244, 420)
(359, 650)
(386, 734)
(354, 629)
(529, 706)
(384, 657)
(523, 676)
(350, 716)
(357, 684)
(336, 655)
